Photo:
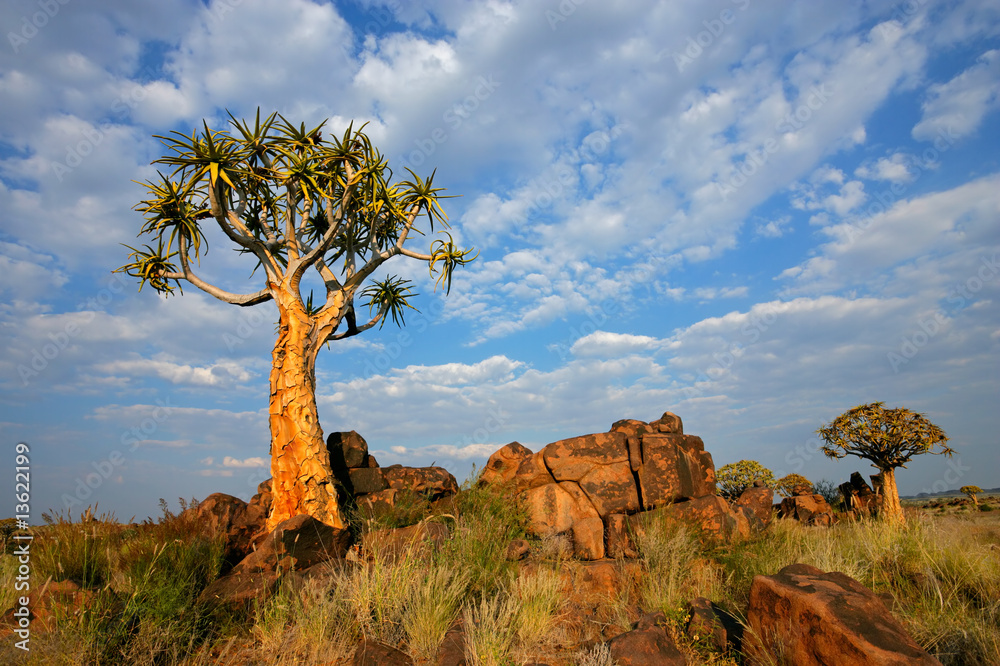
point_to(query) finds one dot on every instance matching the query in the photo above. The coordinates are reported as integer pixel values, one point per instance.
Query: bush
(734, 478)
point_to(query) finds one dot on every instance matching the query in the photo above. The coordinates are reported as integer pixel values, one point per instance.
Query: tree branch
(228, 297)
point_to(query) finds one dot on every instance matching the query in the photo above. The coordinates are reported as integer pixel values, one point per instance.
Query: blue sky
(756, 215)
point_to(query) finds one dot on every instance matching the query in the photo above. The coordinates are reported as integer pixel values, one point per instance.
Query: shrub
(734, 478)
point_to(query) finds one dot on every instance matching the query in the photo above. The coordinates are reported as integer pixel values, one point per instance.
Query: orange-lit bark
(300, 463)
(889, 506)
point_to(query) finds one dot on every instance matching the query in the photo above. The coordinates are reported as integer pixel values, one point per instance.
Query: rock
(54, 602)
(571, 459)
(632, 427)
(259, 506)
(703, 624)
(858, 496)
(670, 471)
(517, 550)
(372, 653)
(617, 543)
(588, 538)
(809, 509)
(503, 464)
(420, 540)
(759, 500)
(451, 652)
(647, 644)
(710, 516)
(236, 591)
(377, 504)
(800, 489)
(432, 482)
(828, 619)
(558, 508)
(611, 488)
(224, 517)
(348, 450)
(532, 473)
(295, 544)
(669, 423)
(366, 480)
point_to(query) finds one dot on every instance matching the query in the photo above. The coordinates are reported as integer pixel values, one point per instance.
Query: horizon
(755, 217)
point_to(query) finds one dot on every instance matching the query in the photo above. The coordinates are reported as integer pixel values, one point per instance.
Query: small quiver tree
(787, 484)
(888, 438)
(971, 491)
(734, 478)
(294, 202)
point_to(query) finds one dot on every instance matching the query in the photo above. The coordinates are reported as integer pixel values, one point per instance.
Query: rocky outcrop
(859, 498)
(584, 488)
(807, 508)
(229, 519)
(814, 618)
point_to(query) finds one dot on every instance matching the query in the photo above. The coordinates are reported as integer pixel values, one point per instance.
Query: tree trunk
(302, 481)
(889, 506)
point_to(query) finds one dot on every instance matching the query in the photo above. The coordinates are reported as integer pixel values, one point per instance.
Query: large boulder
(432, 482)
(809, 509)
(648, 644)
(814, 618)
(757, 501)
(859, 498)
(348, 450)
(711, 517)
(671, 470)
(503, 464)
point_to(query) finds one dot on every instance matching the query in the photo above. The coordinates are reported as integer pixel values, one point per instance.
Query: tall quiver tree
(888, 438)
(295, 202)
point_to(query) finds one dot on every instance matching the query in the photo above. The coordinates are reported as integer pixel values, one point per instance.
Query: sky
(754, 214)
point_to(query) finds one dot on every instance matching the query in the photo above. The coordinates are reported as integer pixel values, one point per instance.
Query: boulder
(373, 653)
(237, 591)
(617, 542)
(668, 423)
(378, 504)
(711, 516)
(451, 652)
(503, 464)
(571, 459)
(432, 482)
(709, 623)
(858, 496)
(809, 509)
(632, 427)
(560, 508)
(348, 450)
(366, 480)
(648, 644)
(227, 518)
(759, 500)
(55, 601)
(532, 473)
(829, 619)
(517, 550)
(259, 506)
(421, 540)
(671, 471)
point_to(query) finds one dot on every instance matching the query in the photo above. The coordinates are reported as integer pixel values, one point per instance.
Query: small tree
(786, 484)
(734, 478)
(972, 491)
(294, 202)
(888, 438)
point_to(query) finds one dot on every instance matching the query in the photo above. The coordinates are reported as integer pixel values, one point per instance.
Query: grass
(941, 571)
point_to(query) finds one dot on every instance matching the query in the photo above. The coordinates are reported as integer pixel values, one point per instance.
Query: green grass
(943, 572)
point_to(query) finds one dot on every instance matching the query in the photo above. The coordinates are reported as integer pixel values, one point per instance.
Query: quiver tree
(887, 438)
(734, 478)
(786, 485)
(971, 491)
(295, 202)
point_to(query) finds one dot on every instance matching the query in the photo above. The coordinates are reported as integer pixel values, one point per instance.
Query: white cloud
(229, 461)
(957, 108)
(894, 169)
(608, 345)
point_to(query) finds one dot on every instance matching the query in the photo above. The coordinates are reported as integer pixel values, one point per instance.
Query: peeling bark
(300, 463)
(889, 506)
